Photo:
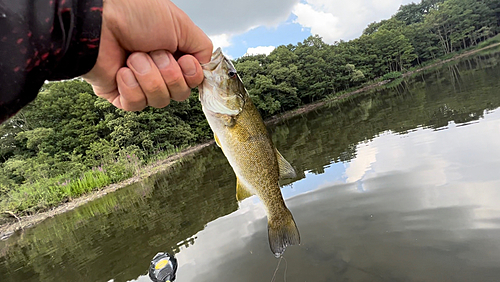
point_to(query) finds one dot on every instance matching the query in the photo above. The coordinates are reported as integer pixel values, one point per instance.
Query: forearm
(44, 40)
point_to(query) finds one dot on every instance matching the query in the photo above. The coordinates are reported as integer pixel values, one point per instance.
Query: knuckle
(175, 79)
(153, 86)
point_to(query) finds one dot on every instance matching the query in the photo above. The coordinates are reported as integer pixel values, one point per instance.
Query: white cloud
(331, 19)
(366, 155)
(338, 19)
(221, 19)
(319, 22)
(266, 50)
(235, 17)
(221, 40)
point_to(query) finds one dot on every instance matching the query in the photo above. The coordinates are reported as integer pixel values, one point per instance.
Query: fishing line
(286, 267)
(277, 267)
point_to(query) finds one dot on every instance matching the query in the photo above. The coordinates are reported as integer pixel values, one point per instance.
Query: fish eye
(232, 74)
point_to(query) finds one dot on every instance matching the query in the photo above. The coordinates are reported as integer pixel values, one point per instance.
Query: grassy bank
(481, 46)
(46, 193)
(12, 222)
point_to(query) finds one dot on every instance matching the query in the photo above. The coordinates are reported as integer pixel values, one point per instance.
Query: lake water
(399, 184)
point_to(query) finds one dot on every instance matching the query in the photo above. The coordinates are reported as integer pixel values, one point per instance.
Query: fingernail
(140, 63)
(129, 78)
(189, 68)
(161, 59)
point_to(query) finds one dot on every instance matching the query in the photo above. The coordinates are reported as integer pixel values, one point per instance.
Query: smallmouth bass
(241, 134)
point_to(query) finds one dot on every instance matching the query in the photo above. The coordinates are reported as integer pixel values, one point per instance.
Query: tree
(456, 21)
(356, 75)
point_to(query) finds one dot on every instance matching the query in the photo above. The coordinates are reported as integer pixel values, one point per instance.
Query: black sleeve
(44, 40)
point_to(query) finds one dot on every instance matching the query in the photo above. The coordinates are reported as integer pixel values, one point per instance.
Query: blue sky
(285, 33)
(258, 26)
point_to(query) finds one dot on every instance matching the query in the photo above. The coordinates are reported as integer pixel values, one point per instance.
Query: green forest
(68, 141)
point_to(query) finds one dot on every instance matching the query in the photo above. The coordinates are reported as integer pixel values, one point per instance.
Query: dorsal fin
(286, 169)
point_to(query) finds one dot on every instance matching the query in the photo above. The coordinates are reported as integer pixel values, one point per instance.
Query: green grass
(88, 182)
(490, 41)
(161, 154)
(394, 83)
(45, 193)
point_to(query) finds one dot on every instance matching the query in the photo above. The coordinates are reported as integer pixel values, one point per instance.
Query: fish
(245, 141)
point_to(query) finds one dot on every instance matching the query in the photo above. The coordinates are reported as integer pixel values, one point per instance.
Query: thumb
(110, 59)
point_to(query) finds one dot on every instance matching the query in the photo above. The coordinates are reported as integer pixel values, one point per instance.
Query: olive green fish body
(247, 145)
(249, 150)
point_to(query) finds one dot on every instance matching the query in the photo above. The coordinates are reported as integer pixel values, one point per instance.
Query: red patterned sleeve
(44, 40)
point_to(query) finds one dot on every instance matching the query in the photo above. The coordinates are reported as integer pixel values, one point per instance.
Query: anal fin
(241, 192)
(286, 169)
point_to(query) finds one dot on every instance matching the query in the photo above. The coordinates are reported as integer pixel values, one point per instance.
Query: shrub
(392, 75)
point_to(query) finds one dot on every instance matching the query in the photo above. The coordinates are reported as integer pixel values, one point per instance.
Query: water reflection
(398, 184)
(433, 218)
(162, 213)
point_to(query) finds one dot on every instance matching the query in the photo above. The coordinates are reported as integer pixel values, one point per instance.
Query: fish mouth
(213, 97)
(217, 58)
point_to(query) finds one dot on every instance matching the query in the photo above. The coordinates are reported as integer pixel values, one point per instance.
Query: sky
(258, 26)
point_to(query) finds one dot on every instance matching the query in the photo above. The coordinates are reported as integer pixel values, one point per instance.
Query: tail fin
(282, 232)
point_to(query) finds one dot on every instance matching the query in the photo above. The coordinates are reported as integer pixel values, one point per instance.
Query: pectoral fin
(286, 170)
(217, 140)
(241, 192)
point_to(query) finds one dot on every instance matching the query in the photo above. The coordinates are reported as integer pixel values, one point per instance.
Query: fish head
(222, 91)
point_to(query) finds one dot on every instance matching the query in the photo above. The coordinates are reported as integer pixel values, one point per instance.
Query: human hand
(152, 31)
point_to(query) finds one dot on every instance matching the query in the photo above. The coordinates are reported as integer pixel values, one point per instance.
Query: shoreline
(20, 223)
(312, 106)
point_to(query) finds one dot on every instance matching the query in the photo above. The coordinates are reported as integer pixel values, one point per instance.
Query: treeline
(68, 141)
(294, 75)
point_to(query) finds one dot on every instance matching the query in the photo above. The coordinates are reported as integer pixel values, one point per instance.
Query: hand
(152, 31)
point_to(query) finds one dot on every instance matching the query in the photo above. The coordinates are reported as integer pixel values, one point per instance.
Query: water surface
(400, 184)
